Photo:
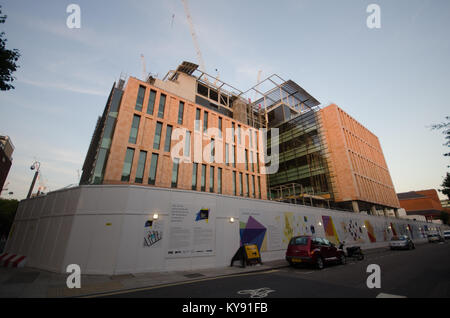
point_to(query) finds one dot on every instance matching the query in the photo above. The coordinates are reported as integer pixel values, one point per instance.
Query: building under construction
(325, 158)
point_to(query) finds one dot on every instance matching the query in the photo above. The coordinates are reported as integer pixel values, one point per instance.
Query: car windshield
(302, 240)
(395, 238)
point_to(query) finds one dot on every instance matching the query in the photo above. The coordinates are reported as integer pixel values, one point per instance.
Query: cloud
(64, 86)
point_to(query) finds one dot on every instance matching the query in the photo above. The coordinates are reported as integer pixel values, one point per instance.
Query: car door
(324, 248)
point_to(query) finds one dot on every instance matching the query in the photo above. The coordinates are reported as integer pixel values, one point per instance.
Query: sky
(394, 79)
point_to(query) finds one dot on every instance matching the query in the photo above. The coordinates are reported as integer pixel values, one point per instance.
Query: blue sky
(393, 80)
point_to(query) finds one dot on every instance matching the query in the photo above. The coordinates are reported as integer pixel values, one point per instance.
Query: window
(187, 144)
(168, 140)
(180, 113)
(233, 156)
(197, 119)
(151, 102)
(140, 98)
(239, 134)
(213, 150)
(194, 176)
(232, 132)
(202, 90)
(259, 187)
(157, 139)
(251, 161)
(211, 179)
(250, 138)
(176, 163)
(234, 182)
(220, 127)
(134, 129)
(246, 159)
(162, 105)
(203, 181)
(153, 167)
(247, 190)
(140, 167)
(227, 155)
(219, 180)
(126, 171)
(205, 122)
(253, 186)
(241, 185)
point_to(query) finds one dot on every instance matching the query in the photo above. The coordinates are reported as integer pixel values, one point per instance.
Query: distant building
(6, 151)
(424, 202)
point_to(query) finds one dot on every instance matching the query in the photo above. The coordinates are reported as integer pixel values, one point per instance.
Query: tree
(8, 210)
(8, 60)
(446, 186)
(444, 217)
(445, 126)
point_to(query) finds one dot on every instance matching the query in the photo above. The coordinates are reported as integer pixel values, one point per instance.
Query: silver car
(401, 242)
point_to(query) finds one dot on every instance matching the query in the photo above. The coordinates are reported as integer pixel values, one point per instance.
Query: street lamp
(36, 165)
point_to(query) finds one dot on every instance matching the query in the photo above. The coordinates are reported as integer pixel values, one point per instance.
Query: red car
(313, 250)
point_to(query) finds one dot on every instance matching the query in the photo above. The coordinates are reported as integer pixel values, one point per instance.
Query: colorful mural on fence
(330, 230)
(252, 232)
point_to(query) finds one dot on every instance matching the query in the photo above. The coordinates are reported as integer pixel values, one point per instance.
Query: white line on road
(384, 295)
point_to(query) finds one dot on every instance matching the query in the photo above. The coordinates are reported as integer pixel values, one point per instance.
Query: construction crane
(194, 37)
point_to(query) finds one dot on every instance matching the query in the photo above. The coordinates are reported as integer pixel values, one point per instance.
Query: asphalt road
(423, 272)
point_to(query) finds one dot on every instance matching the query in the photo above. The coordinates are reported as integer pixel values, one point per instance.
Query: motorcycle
(353, 251)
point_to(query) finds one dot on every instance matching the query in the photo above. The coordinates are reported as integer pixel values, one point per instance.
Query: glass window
(246, 159)
(151, 102)
(197, 119)
(251, 161)
(187, 144)
(227, 155)
(140, 98)
(232, 131)
(239, 134)
(157, 139)
(168, 140)
(175, 172)
(233, 156)
(253, 186)
(205, 121)
(141, 166)
(194, 176)
(162, 105)
(126, 171)
(259, 187)
(134, 129)
(241, 184)
(153, 167)
(203, 180)
(219, 180)
(211, 179)
(213, 150)
(220, 127)
(234, 182)
(180, 113)
(247, 190)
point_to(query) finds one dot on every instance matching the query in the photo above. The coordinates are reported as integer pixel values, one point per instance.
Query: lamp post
(36, 165)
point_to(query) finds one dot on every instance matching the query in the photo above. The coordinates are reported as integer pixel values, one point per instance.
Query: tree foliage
(445, 127)
(446, 186)
(8, 210)
(8, 60)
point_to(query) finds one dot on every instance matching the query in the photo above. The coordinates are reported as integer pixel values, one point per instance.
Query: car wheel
(342, 259)
(319, 263)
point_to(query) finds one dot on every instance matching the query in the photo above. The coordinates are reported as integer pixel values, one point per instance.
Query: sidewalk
(34, 283)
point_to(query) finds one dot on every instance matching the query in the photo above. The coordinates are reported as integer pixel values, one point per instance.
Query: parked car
(446, 235)
(313, 250)
(435, 237)
(401, 242)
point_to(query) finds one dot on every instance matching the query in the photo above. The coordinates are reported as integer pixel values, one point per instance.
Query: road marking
(133, 290)
(257, 293)
(384, 295)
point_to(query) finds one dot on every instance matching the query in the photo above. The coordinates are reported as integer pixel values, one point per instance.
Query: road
(423, 272)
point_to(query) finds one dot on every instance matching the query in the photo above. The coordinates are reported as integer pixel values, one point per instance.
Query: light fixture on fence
(155, 216)
(232, 220)
(320, 223)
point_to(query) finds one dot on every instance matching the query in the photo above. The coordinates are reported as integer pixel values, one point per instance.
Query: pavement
(34, 283)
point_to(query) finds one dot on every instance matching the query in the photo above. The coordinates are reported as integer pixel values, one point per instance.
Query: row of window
(167, 144)
(161, 109)
(126, 172)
